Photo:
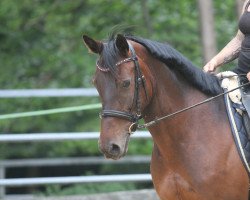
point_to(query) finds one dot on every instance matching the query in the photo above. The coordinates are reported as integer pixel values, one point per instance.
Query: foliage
(57, 190)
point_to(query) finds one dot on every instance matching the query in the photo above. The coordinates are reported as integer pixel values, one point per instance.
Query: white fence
(17, 182)
(35, 137)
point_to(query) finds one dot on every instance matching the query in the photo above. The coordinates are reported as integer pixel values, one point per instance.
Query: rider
(238, 47)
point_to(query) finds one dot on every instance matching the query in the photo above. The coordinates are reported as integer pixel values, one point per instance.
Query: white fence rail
(38, 137)
(20, 182)
(68, 92)
(48, 162)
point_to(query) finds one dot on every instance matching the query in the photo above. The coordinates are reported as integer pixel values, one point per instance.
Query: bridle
(139, 80)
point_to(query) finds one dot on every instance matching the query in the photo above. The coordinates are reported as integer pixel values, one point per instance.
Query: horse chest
(169, 184)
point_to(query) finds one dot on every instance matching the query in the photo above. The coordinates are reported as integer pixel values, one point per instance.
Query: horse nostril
(115, 149)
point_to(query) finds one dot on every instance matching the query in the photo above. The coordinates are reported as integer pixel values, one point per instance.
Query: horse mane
(174, 60)
(207, 83)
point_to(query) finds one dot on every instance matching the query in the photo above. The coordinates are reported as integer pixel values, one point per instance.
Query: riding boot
(245, 96)
(245, 93)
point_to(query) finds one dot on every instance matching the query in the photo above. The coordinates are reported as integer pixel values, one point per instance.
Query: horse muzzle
(114, 150)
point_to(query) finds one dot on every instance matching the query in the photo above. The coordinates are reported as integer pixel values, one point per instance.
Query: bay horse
(194, 155)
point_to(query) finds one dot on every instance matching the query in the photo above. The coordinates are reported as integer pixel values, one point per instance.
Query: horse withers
(194, 155)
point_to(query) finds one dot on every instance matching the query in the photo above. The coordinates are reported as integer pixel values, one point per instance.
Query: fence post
(2, 176)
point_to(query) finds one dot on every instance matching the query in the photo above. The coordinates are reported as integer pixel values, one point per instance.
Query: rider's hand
(248, 76)
(210, 66)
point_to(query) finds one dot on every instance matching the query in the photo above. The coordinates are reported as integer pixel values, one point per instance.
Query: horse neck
(172, 93)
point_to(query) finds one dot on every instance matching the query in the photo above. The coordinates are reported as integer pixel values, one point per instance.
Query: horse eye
(126, 84)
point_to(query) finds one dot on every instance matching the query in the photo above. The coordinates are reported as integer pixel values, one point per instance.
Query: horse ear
(122, 44)
(93, 46)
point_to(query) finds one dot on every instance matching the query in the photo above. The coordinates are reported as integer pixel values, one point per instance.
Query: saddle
(237, 103)
(240, 98)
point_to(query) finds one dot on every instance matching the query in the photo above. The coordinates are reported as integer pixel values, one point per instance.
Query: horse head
(124, 84)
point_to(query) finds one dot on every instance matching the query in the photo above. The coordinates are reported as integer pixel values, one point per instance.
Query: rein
(153, 122)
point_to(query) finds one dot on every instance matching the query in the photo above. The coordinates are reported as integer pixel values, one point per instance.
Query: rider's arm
(228, 53)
